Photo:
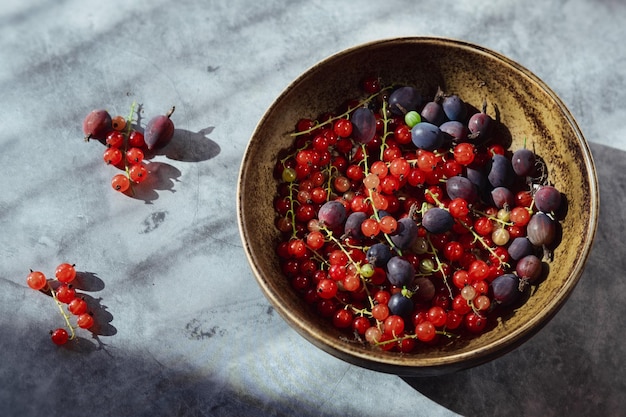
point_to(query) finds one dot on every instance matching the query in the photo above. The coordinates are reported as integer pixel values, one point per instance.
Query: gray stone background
(183, 327)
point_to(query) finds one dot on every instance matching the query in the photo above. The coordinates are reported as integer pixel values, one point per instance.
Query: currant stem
(338, 242)
(371, 200)
(493, 218)
(439, 266)
(475, 310)
(292, 213)
(62, 311)
(377, 217)
(331, 237)
(329, 183)
(396, 339)
(128, 129)
(485, 245)
(434, 197)
(341, 116)
(383, 145)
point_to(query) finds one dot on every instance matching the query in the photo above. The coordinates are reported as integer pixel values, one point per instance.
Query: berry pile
(66, 298)
(127, 146)
(406, 220)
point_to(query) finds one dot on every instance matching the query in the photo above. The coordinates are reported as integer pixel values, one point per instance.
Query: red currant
(136, 139)
(138, 173)
(371, 85)
(380, 312)
(388, 224)
(120, 182)
(437, 316)
(453, 251)
(134, 155)
(425, 331)
(343, 128)
(118, 123)
(475, 323)
(85, 321)
(360, 324)
(464, 153)
(65, 273)
(77, 306)
(370, 227)
(483, 226)
(520, 216)
(393, 325)
(379, 168)
(59, 336)
(458, 208)
(315, 240)
(112, 156)
(343, 318)
(36, 280)
(115, 139)
(403, 134)
(327, 288)
(65, 293)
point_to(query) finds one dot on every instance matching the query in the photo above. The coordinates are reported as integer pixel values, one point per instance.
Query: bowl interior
(531, 113)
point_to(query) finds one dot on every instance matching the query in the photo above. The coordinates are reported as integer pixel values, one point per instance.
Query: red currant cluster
(127, 146)
(400, 228)
(66, 298)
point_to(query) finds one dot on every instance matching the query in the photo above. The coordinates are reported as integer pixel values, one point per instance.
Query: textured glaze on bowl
(523, 103)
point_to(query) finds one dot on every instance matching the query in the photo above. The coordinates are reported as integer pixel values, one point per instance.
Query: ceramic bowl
(528, 108)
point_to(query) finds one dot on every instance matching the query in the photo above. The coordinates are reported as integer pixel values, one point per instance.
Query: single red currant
(425, 331)
(65, 293)
(520, 216)
(370, 227)
(315, 240)
(134, 155)
(475, 323)
(458, 208)
(77, 306)
(343, 318)
(115, 139)
(112, 156)
(118, 123)
(380, 312)
(388, 224)
(464, 153)
(379, 168)
(297, 248)
(327, 288)
(65, 273)
(36, 280)
(437, 316)
(136, 139)
(85, 321)
(393, 325)
(120, 182)
(343, 128)
(360, 324)
(138, 173)
(371, 84)
(59, 336)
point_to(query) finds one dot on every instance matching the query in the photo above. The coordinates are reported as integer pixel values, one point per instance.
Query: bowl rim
(396, 363)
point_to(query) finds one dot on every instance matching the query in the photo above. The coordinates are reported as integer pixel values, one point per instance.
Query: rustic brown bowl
(523, 103)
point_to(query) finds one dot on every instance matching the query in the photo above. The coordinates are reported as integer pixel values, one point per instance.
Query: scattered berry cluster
(66, 298)
(406, 221)
(126, 145)
(126, 148)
